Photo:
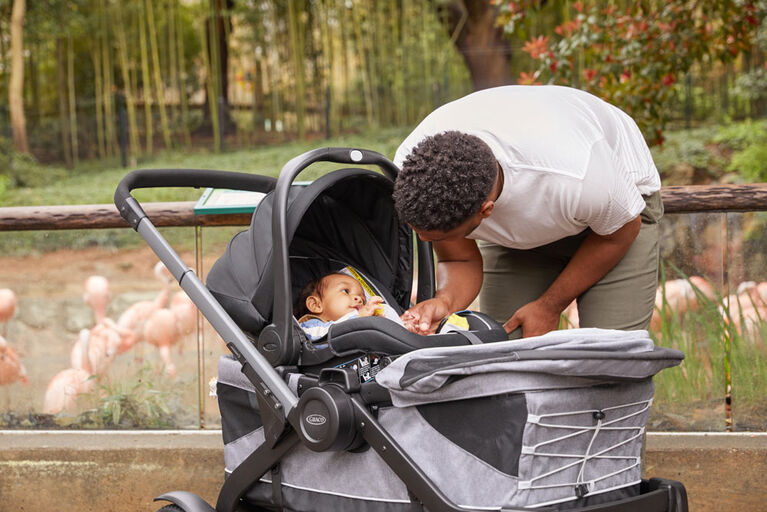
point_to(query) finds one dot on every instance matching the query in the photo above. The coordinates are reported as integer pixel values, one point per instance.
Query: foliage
(631, 54)
(748, 141)
(751, 163)
(137, 404)
(713, 348)
(22, 170)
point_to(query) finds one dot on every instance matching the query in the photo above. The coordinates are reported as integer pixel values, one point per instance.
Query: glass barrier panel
(690, 397)
(86, 327)
(746, 314)
(213, 244)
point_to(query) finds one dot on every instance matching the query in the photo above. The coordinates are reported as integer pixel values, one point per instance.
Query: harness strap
(277, 486)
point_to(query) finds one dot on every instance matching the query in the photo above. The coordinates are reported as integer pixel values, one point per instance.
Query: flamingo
(680, 296)
(186, 315)
(747, 307)
(134, 318)
(572, 321)
(161, 331)
(63, 390)
(11, 369)
(7, 307)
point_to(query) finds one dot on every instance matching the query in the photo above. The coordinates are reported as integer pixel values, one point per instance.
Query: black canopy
(346, 217)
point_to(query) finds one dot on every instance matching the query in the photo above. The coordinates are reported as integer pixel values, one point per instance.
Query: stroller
(375, 418)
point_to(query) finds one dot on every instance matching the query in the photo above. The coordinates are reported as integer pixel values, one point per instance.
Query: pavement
(60, 471)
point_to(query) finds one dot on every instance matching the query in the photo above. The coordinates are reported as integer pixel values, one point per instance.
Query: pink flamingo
(63, 390)
(680, 296)
(747, 307)
(96, 348)
(11, 369)
(160, 330)
(186, 315)
(135, 316)
(572, 321)
(7, 307)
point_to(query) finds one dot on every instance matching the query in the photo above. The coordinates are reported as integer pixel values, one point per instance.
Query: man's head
(331, 297)
(445, 182)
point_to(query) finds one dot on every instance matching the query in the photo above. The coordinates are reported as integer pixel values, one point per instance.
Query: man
(550, 192)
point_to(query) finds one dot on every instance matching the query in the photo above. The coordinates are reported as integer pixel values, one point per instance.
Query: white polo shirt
(570, 161)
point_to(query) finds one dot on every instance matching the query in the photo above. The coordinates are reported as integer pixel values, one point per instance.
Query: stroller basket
(450, 423)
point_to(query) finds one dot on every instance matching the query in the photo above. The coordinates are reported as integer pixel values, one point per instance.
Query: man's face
(457, 233)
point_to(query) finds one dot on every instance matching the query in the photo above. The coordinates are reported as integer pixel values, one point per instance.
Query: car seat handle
(290, 347)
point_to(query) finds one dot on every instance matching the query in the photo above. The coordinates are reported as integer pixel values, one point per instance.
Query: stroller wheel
(171, 508)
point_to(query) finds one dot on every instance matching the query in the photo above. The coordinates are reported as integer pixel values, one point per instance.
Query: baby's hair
(313, 287)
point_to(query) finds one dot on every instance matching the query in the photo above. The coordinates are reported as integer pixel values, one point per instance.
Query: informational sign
(222, 200)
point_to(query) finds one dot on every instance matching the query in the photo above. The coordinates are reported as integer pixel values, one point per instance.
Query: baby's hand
(374, 307)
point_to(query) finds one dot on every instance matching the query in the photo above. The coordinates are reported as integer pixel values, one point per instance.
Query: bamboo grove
(146, 75)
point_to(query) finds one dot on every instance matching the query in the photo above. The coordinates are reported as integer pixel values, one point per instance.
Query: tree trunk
(16, 86)
(481, 42)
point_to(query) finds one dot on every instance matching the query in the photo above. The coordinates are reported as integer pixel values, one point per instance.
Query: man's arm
(596, 256)
(459, 277)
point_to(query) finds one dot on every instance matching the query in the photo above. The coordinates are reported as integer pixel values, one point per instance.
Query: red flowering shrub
(632, 57)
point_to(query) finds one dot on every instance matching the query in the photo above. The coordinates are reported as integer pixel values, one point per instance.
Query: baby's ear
(314, 304)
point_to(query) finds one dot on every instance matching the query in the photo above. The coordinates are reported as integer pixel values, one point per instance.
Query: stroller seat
(555, 420)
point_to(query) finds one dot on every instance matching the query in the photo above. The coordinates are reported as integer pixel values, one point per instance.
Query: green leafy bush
(21, 170)
(751, 163)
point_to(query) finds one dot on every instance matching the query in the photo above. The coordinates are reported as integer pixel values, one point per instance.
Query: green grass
(95, 183)
(714, 348)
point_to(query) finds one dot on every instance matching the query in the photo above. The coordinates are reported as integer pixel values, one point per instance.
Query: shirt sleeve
(609, 198)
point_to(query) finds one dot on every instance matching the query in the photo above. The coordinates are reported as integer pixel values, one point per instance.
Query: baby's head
(331, 297)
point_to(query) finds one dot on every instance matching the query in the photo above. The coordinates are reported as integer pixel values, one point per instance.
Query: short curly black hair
(444, 181)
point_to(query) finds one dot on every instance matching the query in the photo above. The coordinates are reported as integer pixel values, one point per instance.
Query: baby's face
(341, 294)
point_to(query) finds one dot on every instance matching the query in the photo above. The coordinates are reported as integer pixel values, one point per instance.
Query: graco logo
(316, 419)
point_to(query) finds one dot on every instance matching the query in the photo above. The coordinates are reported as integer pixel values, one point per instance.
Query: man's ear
(486, 209)
(314, 304)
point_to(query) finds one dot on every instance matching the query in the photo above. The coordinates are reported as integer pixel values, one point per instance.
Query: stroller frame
(349, 416)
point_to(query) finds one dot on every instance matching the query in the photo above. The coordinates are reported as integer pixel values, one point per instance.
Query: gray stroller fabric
(493, 426)
(559, 359)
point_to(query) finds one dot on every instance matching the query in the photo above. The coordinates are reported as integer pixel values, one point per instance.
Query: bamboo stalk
(210, 85)
(182, 77)
(99, 99)
(159, 86)
(135, 145)
(172, 59)
(109, 114)
(72, 100)
(298, 67)
(146, 85)
(66, 141)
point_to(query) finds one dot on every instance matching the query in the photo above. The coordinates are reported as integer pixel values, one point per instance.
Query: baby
(334, 298)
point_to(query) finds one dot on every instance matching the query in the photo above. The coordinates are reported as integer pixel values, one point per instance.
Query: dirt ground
(50, 312)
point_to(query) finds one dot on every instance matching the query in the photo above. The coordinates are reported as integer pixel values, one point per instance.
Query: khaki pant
(622, 299)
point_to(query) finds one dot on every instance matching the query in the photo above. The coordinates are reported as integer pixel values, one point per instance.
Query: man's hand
(424, 317)
(535, 318)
